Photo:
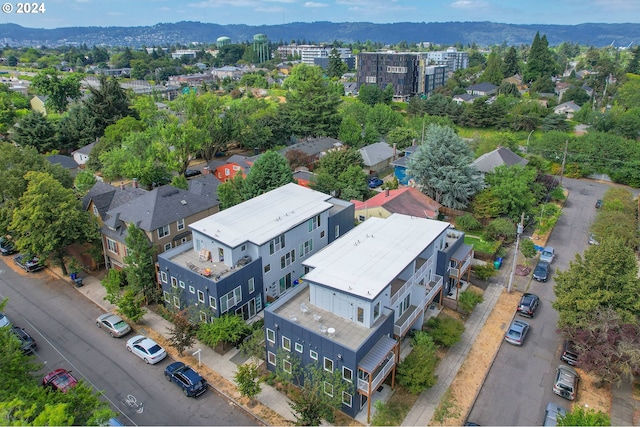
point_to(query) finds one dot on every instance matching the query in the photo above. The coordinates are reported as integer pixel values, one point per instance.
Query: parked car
(375, 182)
(566, 382)
(517, 332)
(593, 240)
(27, 343)
(541, 272)
(528, 305)
(29, 263)
(114, 324)
(569, 353)
(551, 414)
(4, 320)
(189, 173)
(60, 380)
(146, 349)
(548, 254)
(598, 204)
(7, 247)
(193, 385)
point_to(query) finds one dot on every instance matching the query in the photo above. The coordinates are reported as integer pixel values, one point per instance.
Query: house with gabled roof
(81, 155)
(488, 162)
(567, 109)
(482, 89)
(406, 201)
(314, 147)
(65, 161)
(102, 197)
(38, 104)
(377, 157)
(226, 170)
(164, 214)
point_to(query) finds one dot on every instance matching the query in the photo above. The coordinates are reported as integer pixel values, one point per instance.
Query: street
(519, 384)
(62, 321)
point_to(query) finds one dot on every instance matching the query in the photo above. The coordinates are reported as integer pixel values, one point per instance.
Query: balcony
(413, 280)
(402, 325)
(363, 385)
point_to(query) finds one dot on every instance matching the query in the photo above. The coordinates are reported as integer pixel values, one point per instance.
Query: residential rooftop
(368, 258)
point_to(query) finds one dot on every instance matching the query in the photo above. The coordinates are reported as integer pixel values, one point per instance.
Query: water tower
(261, 47)
(223, 41)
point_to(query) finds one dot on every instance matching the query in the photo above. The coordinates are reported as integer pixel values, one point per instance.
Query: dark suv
(541, 273)
(27, 344)
(192, 383)
(569, 353)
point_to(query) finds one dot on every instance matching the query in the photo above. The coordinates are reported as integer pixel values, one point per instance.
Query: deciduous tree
(59, 90)
(269, 172)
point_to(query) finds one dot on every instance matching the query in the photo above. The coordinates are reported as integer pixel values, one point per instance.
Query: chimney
(135, 182)
(206, 170)
(386, 192)
(122, 185)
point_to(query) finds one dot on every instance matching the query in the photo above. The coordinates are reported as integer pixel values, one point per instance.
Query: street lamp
(532, 130)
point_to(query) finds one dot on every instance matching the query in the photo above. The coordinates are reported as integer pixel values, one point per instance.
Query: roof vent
(184, 202)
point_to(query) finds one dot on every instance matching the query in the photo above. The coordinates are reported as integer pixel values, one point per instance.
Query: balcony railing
(400, 330)
(458, 272)
(413, 280)
(363, 385)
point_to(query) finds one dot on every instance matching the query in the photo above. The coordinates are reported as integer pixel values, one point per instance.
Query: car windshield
(154, 349)
(565, 387)
(547, 253)
(119, 325)
(63, 380)
(515, 333)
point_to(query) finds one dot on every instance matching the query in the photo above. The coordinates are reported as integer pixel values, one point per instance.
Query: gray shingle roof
(106, 196)
(375, 153)
(498, 157)
(205, 185)
(86, 149)
(64, 161)
(313, 146)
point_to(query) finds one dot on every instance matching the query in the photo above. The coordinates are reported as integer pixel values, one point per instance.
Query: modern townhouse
(359, 297)
(164, 214)
(247, 256)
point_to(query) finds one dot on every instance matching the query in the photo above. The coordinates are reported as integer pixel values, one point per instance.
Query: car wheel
(146, 360)
(98, 325)
(168, 377)
(111, 333)
(129, 348)
(186, 393)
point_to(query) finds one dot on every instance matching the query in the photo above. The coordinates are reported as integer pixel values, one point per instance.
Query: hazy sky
(71, 13)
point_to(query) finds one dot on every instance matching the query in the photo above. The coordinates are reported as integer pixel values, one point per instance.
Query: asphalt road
(62, 321)
(519, 384)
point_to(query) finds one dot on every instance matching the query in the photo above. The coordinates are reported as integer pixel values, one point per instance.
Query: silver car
(113, 324)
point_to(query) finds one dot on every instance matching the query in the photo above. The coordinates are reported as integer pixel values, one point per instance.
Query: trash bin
(497, 263)
(74, 276)
(78, 282)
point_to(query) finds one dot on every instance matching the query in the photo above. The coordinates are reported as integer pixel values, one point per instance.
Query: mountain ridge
(482, 33)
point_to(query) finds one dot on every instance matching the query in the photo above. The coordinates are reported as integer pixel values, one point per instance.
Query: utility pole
(564, 159)
(520, 229)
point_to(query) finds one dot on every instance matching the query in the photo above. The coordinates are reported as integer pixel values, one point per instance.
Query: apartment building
(309, 53)
(360, 296)
(249, 255)
(451, 58)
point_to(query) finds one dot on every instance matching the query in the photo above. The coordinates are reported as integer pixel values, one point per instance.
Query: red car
(60, 379)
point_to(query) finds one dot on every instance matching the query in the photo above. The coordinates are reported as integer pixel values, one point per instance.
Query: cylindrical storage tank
(223, 41)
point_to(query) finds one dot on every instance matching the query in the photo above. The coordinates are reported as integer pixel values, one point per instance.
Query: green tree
(581, 416)
(59, 90)
(269, 172)
(247, 377)
(108, 103)
(442, 168)
(139, 268)
(575, 94)
(493, 72)
(76, 129)
(225, 329)
(540, 63)
(35, 130)
(528, 249)
(130, 305)
(500, 228)
(402, 137)
(352, 184)
(231, 192)
(56, 214)
(510, 65)
(182, 332)
(606, 276)
(84, 181)
(337, 67)
(629, 91)
(384, 119)
(311, 107)
(514, 188)
(417, 371)
(350, 132)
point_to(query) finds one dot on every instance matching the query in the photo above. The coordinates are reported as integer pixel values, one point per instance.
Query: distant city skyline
(120, 13)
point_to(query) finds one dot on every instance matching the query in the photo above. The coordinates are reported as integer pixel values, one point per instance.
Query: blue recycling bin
(497, 263)
(74, 276)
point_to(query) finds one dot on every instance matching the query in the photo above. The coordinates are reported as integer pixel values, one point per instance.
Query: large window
(174, 282)
(180, 224)
(360, 315)
(252, 285)
(287, 259)
(200, 296)
(347, 374)
(112, 246)
(376, 311)
(271, 336)
(276, 244)
(286, 343)
(163, 277)
(305, 248)
(163, 231)
(229, 300)
(271, 357)
(176, 301)
(212, 302)
(286, 366)
(347, 399)
(167, 297)
(314, 223)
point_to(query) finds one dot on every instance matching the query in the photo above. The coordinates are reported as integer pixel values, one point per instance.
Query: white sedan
(146, 349)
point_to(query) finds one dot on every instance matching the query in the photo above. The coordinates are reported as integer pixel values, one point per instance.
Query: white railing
(434, 290)
(413, 280)
(455, 272)
(364, 384)
(400, 330)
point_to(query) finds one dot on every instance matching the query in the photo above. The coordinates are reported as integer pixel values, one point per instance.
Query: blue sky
(71, 13)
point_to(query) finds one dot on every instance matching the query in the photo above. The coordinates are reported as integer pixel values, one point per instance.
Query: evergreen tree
(108, 103)
(540, 63)
(510, 65)
(140, 270)
(35, 130)
(337, 67)
(269, 172)
(493, 72)
(76, 129)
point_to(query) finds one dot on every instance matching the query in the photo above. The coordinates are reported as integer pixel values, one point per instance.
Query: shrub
(501, 228)
(468, 300)
(557, 194)
(484, 271)
(416, 371)
(445, 330)
(468, 222)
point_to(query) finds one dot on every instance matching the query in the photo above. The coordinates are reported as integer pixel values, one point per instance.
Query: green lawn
(480, 244)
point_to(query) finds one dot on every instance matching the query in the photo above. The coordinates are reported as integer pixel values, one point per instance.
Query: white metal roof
(365, 260)
(264, 217)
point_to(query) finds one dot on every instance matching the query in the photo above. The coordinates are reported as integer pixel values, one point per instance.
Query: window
(328, 364)
(347, 374)
(112, 246)
(271, 336)
(322, 234)
(167, 246)
(180, 224)
(203, 316)
(230, 299)
(200, 296)
(286, 343)
(396, 70)
(174, 282)
(347, 399)
(252, 286)
(243, 248)
(167, 297)
(298, 347)
(305, 248)
(227, 172)
(163, 277)
(267, 268)
(376, 311)
(337, 231)
(95, 211)
(313, 223)
(176, 301)
(212, 302)
(328, 388)
(370, 79)
(287, 259)
(286, 366)
(163, 231)
(271, 357)
(361, 218)
(276, 244)
(192, 289)
(183, 240)
(360, 317)
(182, 284)
(313, 355)
(127, 252)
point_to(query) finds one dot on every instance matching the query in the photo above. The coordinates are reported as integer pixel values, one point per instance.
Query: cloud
(469, 4)
(314, 4)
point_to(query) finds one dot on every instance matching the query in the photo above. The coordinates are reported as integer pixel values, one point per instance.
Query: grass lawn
(481, 245)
